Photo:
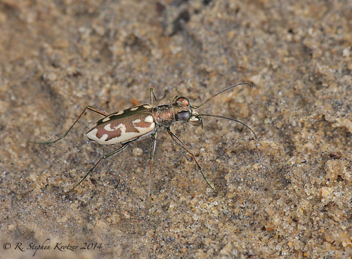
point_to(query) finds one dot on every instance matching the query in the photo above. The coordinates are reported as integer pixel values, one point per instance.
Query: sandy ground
(286, 195)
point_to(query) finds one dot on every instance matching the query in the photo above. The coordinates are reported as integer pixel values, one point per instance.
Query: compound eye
(182, 101)
(183, 116)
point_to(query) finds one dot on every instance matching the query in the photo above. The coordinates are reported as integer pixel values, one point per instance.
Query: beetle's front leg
(179, 142)
(153, 97)
(152, 152)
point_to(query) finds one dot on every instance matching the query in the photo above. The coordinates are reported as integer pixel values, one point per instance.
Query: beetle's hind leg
(64, 135)
(120, 149)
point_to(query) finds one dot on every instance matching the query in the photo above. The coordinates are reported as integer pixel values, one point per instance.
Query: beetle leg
(120, 149)
(152, 152)
(151, 159)
(64, 135)
(179, 142)
(153, 97)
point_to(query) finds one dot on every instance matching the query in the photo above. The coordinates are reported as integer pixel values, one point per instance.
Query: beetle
(143, 121)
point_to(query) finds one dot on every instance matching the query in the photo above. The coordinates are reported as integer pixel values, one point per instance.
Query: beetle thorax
(164, 115)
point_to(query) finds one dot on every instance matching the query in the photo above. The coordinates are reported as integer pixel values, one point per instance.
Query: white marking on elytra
(134, 108)
(149, 118)
(125, 136)
(118, 113)
(136, 121)
(107, 127)
(106, 119)
(147, 106)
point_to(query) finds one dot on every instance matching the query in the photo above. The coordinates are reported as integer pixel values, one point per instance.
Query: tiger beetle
(145, 120)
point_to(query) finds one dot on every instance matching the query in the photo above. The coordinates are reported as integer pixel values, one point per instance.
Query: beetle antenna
(211, 97)
(240, 122)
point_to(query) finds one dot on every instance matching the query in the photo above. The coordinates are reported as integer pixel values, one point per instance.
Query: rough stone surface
(287, 194)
